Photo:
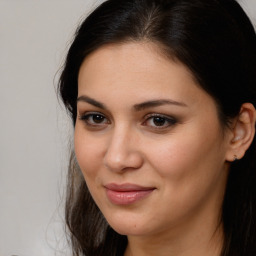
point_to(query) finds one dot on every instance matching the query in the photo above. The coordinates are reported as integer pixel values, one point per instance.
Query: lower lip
(127, 197)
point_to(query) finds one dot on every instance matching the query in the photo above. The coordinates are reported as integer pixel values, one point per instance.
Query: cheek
(191, 175)
(188, 159)
(88, 152)
(172, 157)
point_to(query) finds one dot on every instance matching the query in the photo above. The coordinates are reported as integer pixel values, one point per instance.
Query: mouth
(125, 194)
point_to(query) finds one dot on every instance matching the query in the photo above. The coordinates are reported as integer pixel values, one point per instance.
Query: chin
(129, 231)
(129, 227)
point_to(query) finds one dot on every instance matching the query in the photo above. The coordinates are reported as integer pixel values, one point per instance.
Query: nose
(123, 151)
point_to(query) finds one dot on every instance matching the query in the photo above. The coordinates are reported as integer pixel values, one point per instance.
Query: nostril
(114, 162)
(125, 162)
(122, 152)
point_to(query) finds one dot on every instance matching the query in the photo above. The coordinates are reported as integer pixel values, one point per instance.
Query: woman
(162, 95)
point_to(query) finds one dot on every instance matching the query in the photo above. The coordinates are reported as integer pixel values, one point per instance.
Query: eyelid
(169, 121)
(86, 115)
(172, 121)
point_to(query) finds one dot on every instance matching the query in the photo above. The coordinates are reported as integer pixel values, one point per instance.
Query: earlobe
(242, 133)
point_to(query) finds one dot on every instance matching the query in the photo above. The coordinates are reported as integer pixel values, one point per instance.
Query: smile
(126, 194)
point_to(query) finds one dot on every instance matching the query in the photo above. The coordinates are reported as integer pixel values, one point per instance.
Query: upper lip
(127, 187)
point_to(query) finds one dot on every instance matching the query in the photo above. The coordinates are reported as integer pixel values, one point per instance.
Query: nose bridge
(123, 151)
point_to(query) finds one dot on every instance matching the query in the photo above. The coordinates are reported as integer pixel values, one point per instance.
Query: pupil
(98, 118)
(159, 121)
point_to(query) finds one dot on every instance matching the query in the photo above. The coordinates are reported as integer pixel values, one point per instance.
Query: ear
(242, 132)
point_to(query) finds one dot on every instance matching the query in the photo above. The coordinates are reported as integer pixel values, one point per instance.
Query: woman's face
(148, 141)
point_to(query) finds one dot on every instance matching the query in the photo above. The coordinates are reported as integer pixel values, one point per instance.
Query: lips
(125, 194)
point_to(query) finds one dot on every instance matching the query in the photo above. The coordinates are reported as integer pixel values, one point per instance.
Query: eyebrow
(137, 107)
(156, 103)
(91, 101)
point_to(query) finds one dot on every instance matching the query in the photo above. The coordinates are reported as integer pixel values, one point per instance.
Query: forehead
(139, 60)
(136, 69)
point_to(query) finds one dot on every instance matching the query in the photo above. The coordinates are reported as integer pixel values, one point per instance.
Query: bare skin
(159, 131)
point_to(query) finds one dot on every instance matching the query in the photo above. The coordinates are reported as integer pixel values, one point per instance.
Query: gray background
(34, 137)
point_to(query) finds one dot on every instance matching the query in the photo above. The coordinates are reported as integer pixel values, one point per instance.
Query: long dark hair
(216, 41)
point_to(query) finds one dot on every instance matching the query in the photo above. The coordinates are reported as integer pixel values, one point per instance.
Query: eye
(158, 121)
(94, 119)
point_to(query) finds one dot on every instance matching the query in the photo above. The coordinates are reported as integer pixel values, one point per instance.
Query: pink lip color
(125, 194)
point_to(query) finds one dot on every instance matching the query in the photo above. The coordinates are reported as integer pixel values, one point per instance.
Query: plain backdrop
(34, 129)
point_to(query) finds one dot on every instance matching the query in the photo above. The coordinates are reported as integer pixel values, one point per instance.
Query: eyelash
(167, 121)
(86, 118)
